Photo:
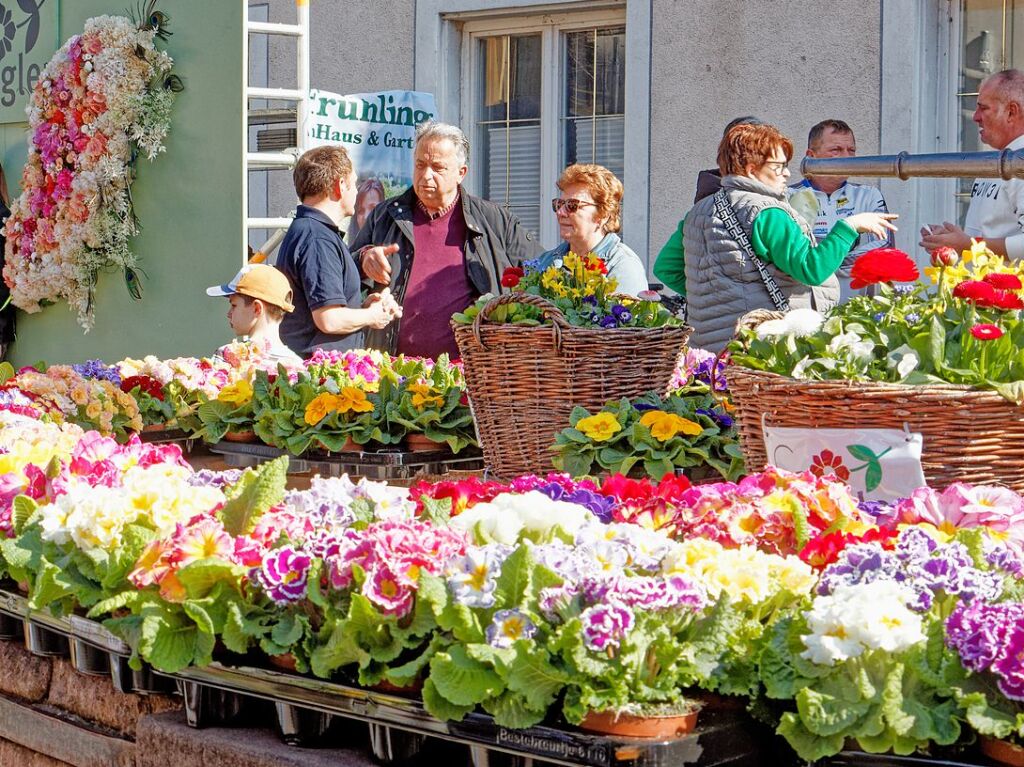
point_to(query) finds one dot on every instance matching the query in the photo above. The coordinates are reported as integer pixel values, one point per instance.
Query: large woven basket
(524, 381)
(969, 435)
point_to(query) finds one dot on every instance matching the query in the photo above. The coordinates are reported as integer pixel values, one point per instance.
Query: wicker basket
(523, 382)
(969, 435)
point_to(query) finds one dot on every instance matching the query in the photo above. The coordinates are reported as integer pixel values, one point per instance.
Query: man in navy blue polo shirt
(329, 310)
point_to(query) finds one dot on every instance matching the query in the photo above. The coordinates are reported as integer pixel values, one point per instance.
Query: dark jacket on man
(495, 241)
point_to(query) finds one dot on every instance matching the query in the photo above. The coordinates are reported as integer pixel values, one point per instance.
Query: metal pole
(1007, 164)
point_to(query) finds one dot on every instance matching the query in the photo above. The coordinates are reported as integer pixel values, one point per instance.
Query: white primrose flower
(509, 515)
(860, 617)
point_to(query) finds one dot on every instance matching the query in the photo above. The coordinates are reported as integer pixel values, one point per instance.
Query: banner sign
(877, 464)
(377, 130)
(28, 39)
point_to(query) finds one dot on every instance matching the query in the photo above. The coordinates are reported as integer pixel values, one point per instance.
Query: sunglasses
(571, 205)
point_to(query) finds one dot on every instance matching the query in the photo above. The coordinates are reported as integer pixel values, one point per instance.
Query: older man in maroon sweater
(437, 247)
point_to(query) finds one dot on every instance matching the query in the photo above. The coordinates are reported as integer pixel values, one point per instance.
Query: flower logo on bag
(828, 464)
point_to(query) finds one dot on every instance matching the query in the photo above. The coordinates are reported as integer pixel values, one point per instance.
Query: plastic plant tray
(720, 737)
(74, 626)
(381, 465)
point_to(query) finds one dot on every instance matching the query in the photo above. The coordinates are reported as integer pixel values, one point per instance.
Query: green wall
(189, 201)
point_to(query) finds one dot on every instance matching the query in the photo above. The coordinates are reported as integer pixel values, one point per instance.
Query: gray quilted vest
(721, 283)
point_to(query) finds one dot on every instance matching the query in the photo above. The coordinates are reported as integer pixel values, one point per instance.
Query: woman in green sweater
(706, 261)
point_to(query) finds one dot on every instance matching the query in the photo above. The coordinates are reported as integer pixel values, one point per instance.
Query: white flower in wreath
(905, 360)
(852, 345)
(803, 322)
(771, 330)
(801, 368)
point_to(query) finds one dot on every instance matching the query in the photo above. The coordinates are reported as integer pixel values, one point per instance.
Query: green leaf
(862, 452)
(872, 476)
(437, 510)
(168, 639)
(288, 630)
(240, 631)
(532, 675)
(126, 600)
(21, 511)
(254, 494)
(461, 680)
(201, 576)
(441, 708)
(511, 710)
(808, 746)
(514, 580)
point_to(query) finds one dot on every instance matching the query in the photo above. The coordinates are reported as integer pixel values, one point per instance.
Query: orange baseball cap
(258, 281)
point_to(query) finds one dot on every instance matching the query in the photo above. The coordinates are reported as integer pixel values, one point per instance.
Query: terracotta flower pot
(1002, 751)
(633, 726)
(241, 435)
(153, 427)
(284, 661)
(351, 446)
(421, 443)
(413, 689)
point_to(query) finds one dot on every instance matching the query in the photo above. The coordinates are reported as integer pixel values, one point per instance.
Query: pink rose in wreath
(828, 464)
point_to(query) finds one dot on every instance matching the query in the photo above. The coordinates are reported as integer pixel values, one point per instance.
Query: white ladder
(300, 95)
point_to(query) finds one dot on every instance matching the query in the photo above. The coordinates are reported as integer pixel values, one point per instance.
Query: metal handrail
(1006, 164)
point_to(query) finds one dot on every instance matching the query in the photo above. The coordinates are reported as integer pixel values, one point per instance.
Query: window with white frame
(990, 41)
(542, 93)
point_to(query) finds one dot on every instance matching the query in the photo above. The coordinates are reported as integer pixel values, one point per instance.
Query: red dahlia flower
(511, 277)
(1003, 281)
(986, 332)
(882, 265)
(974, 290)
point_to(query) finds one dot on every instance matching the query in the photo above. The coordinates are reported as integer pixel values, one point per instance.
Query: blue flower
(723, 420)
(608, 321)
(912, 318)
(878, 316)
(621, 313)
(592, 300)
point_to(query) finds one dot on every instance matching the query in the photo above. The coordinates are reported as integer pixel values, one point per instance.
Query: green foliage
(253, 494)
(908, 336)
(635, 451)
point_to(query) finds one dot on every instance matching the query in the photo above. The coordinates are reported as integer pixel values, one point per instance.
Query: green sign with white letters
(28, 39)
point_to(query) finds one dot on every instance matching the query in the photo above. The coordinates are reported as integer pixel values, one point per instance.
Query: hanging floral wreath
(103, 99)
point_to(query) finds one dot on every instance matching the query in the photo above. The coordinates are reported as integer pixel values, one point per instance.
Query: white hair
(431, 131)
(1009, 85)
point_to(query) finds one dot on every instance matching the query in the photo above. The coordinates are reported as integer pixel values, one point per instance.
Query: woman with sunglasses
(589, 216)
(746, 247)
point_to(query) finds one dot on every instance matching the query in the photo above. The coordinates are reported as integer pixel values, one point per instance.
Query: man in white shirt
(826, 199)
(996, 213)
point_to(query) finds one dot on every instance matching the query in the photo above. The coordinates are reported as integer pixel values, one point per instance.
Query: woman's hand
(878, 224)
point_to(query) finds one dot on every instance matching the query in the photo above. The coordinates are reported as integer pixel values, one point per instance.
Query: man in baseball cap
(259, 295)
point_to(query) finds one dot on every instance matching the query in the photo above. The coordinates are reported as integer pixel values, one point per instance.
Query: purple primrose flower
(283, 574)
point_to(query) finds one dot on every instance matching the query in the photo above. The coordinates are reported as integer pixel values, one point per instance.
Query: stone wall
(52, 716)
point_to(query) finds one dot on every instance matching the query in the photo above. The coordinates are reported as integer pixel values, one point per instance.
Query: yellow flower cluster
(664, 426)
(349, 400)
(579, 277)
(423, 396)
(600, 427)
(745, 573)
(974, 264)
(237, 393)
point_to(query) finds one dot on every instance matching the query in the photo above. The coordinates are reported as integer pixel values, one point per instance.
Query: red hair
(753, 145)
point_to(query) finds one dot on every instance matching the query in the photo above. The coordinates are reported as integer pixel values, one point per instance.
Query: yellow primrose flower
(237, 393)
(423, 396)
(664, 426)
(353, 399)
(319, 407)
(600, 427)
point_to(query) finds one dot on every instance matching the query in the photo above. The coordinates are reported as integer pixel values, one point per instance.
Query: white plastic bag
(878, 464)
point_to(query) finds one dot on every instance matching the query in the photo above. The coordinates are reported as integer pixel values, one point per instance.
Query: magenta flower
(606, 625)
(388, 593)
(283, 575)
